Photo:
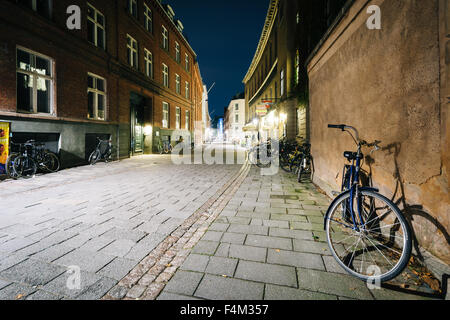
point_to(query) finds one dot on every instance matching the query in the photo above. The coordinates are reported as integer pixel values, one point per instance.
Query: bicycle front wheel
(379, 248)
(50, 162)
(24, 167)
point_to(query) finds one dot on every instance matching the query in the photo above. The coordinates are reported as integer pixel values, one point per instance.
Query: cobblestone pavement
(103, 220)
(268, 243)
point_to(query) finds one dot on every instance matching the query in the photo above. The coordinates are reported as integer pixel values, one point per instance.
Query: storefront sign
(4, 145)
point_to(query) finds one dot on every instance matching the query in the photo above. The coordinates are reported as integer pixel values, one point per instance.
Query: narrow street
(165, 231)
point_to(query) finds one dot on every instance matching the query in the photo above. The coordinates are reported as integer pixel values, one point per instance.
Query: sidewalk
(268, 243)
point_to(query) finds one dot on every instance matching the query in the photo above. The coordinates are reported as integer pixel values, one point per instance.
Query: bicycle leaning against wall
(366, 232)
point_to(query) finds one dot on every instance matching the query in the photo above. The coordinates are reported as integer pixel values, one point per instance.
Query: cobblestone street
(144, 228)
(102, 219)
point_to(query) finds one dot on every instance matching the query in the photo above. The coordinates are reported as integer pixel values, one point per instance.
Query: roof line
(270, 18)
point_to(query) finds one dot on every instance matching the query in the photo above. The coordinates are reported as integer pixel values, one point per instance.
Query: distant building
(234, 121)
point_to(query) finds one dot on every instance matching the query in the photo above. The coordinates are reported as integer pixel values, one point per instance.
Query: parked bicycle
(261, 154)
(31, 157)
(102, 151)
(165, 147)
(366, 232)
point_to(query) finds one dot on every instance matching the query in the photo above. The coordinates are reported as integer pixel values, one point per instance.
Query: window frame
(35, 76)
(187, 118)
(178, 118)
(165, 72)
(148, 58)
(96, 93)
(165, 38)
(165, 114)
(187, 62)
(97, 25)
(178, 83)
(177, 52)
(148, 18)
(133, 50)
(187, 90)
(131, 5)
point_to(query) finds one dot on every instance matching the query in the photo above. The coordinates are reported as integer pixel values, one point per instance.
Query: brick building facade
(127, 74)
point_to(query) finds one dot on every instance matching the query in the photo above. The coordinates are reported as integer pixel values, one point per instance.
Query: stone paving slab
(275, 251)
(103, 219)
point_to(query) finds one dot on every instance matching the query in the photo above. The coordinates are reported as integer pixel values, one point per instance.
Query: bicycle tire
(333, 233)
(9, 166)
(51, 164)
(304, 170)
(25, 167)
(94, 157)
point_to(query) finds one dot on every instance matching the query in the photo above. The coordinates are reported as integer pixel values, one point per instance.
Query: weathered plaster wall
(389, 84)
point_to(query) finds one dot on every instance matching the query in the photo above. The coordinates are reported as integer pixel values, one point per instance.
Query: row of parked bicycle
(292, 157)
(366, 232)
(31, 157)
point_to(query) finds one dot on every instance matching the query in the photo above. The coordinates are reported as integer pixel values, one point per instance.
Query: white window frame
(165, 72)
(98, 93)
(178, 83)
(148, 18)
(187, 90)
(178, 118)
(282, 82)
(165, 38)
(236, 107)
(148, 57)
(97, 26)
(165, 115)
(187, 125)
(236, 118)
(35, 76)
(187, 63)
(132, 4)
(177, 52)
(131, 50)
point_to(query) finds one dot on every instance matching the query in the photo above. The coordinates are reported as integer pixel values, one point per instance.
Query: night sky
(224, 34)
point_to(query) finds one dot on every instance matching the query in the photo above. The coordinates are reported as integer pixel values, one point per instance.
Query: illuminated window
(165, 120)
(35, 81)
(188, 120)
(178, 83)
(177, 52)
(132, 8)
(165, 71)
(165, 38)
(178, 118)
(96, 97)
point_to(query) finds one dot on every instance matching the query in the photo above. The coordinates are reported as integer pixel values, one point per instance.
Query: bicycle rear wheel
(24, 167)
(381, 247)
(94, 157)
(50, 162)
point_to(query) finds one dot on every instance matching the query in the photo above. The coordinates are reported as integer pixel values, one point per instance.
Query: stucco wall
(387, 84)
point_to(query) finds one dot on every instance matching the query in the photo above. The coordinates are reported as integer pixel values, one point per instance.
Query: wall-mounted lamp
(148, 130)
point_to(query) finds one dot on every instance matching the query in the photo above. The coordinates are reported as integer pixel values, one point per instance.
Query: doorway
(140, 117)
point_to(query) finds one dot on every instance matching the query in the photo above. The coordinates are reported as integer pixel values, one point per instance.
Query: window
(282, 82)
(187, 90)
(187, 62)
(34, 82)
(187, 125)
(43, 7)
(236, 118)
(236, 107)
(165, 120)
(148, 57)
(132, 8)
(165, 71)
(148, 19)
(96, 27)
(132, 52)
(177, 52)
(96, 97)
(165, 38)
(178, 118)
(178, 83)
(297, 68)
